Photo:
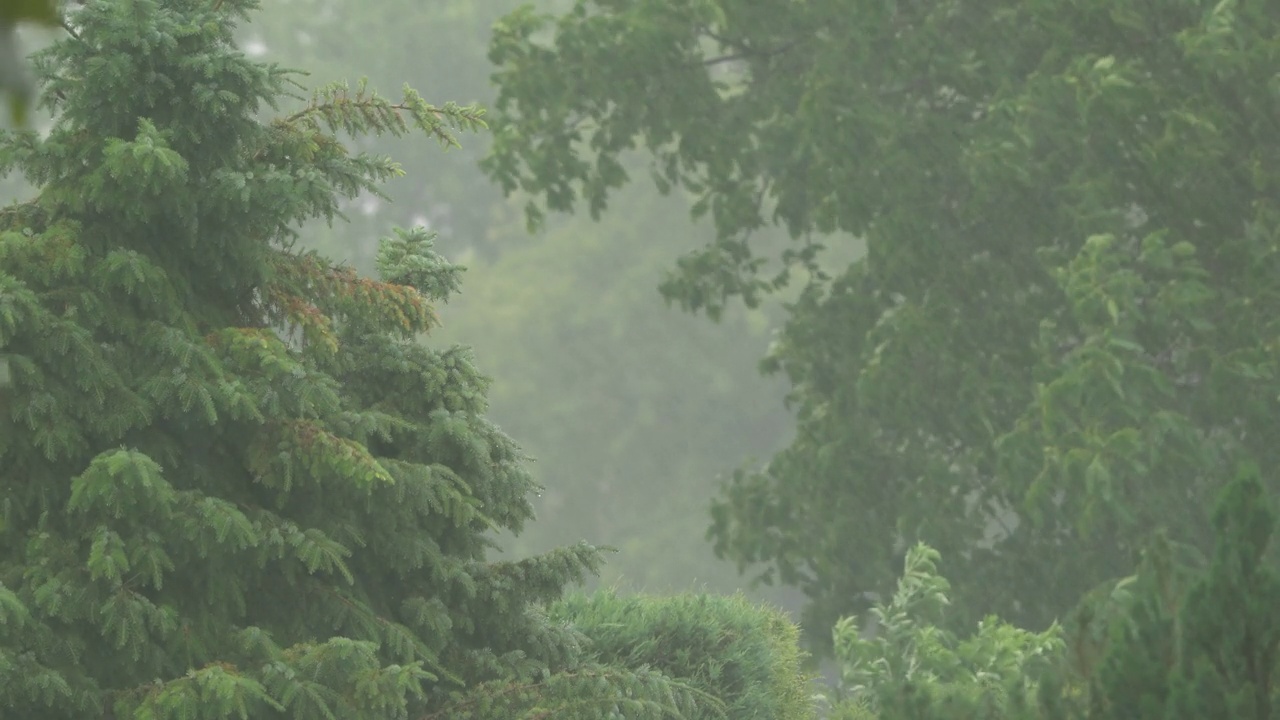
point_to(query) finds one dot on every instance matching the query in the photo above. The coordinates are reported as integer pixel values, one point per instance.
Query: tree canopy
(1062, 335)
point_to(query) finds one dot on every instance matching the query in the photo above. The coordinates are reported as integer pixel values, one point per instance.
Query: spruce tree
(233, 481)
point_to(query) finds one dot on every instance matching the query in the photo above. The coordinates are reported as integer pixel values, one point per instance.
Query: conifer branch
(367, 111)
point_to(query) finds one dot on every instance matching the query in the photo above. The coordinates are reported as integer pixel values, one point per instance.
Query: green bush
(746, 655)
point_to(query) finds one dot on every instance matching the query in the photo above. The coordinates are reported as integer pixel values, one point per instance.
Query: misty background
(632, 410)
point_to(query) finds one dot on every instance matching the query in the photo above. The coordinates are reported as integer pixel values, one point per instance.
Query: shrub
(746, 655)
(914, 668)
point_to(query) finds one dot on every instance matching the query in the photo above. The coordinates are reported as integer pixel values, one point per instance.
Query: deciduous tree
(1062, 334)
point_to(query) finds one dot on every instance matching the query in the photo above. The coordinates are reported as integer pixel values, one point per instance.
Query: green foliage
(1062, 333)
(588, 693)
(746, 656)
(913, 661)
(233, 482)
(1204, 646)
(1174, 640)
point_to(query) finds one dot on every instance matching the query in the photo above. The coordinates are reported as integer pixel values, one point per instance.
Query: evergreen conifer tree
(232, 481)
(1204, 651)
